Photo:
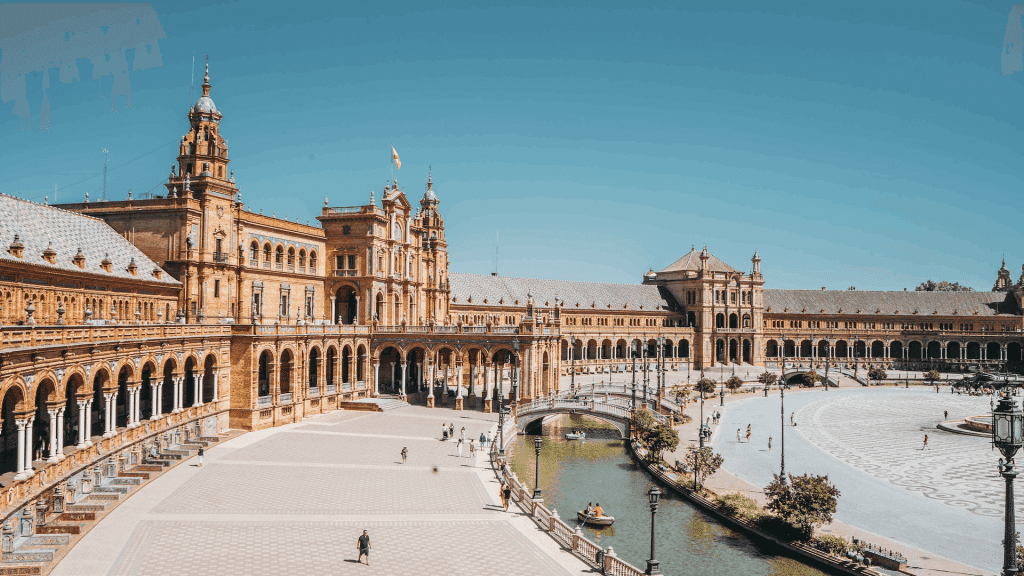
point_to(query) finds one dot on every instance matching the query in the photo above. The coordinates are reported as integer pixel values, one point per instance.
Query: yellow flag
(394, 155)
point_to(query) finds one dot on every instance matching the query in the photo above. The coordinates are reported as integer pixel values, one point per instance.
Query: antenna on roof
(495, 253)
(192, 82)
(104, 196)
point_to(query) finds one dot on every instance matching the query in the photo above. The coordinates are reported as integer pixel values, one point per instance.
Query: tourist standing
(748, 436)
(791, 415)
(200, 456)
(444, 431)
(925, 442)
(945, 414)
(506, 495)
(769, 443)
(472, 450)
(451, 430)
(405, 453)
(738, 439)
(462, 434)
(460, 447)
(364, 548)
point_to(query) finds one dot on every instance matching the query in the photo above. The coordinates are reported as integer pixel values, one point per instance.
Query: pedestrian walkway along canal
(600, 470)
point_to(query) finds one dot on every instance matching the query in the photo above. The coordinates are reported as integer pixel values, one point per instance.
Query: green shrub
(780, 529)
(836, 545)
(739, 505)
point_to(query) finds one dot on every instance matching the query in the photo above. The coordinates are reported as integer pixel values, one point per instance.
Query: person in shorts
(364, 548)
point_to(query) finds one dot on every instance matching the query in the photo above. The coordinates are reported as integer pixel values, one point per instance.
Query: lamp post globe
(652, 497)
(1007, 436)
(537, 443)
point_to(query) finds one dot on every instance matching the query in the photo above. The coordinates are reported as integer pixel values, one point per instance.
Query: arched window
(280, 257)
(254, 252)
(291, 257)
(302, 258)
(312, 262)
(266, 255)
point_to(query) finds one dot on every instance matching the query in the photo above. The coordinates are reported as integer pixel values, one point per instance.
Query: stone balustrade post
(197, 390)
(52, 412)
(108, 400)
(60, 434)
(29, 470)
(19, 464)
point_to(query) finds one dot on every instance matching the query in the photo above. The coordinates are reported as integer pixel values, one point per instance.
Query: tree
(734, 383)
(706, 386)
(659, 439)
(932, 376)
(812, 378)
(805, 501)
(681, 391)
(943, 286)
(877, 374)
(767, 378)
(704, 461)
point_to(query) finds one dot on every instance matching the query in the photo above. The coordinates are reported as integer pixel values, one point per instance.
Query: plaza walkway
(294, 499)
(941, 507)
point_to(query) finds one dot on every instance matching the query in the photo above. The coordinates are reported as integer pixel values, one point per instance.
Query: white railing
(618, 409)
(264, 400)
(287, 397)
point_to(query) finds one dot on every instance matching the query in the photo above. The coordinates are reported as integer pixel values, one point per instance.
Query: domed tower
(202, 154)
(435, 255)
(1003, 281)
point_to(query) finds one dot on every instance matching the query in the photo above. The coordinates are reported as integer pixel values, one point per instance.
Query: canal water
(600, 470)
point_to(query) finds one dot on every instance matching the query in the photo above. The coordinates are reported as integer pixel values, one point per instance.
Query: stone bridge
(607, 391)
(614, 411)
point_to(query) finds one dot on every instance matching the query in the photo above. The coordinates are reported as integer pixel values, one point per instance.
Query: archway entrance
(345, 305)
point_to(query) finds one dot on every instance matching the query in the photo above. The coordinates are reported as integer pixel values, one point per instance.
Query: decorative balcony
(220, 257)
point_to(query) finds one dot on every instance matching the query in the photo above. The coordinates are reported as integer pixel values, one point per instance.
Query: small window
(312, 262)
(339, 262)
(346, 230)
(254, 252)
(216, 287)
(352, 262)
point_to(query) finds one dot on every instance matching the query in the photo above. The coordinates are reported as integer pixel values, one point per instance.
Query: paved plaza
(293, 500)
(945, 499)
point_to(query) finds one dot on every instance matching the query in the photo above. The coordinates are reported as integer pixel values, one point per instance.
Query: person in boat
(590, 509)
(598, 512)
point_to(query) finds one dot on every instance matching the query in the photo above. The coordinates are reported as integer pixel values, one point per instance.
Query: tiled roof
(39, 226)
(691, 262)
(901, 303)
(589, 295)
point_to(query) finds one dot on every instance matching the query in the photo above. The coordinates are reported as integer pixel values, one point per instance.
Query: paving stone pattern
(268, 489)
(297, 446)
(883, 435)
(398, 549)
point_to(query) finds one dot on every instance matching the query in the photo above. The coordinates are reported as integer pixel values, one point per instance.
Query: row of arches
(279, 256)
(734, 321)
(606, 349)
(895, 349)
(53, 417)
(77, 309)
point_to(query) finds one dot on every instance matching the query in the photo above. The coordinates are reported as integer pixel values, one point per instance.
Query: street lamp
(652, 496)
(633, 355)
(572, 356)
(1007, 421)
(501, 428)
(782, 412)
(536, 478)
(643, 351)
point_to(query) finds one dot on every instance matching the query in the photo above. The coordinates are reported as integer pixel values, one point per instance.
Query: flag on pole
(394, 156)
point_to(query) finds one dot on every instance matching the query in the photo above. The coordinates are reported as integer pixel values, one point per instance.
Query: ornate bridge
(618, 390)
(614, 411)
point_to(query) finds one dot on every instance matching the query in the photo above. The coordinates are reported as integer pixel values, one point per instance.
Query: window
(216, 287)
(254, 252)
(351, 262)
(302, 258)
(309, 305)
(339, 262)
(291, 257)
(284, 304)
(346, 230)
(280, 257)
(220, 244)
(257, 304)
(312, 262)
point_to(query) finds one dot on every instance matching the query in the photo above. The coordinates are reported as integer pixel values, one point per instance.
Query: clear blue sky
(873, 144)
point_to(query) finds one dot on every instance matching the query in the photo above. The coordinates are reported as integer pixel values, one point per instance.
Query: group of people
(738, 438)
(715, 417)
(594, 511)
(448, 433)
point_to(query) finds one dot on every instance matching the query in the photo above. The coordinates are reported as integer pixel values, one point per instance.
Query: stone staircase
(378, 404)
(39, 536)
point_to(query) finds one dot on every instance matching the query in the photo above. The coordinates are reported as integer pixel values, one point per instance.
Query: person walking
(451, 430)
(791, 415)
(201, 452)
(460, 447)
(738, 439)
(483, 439)
(444, 431)
(462, 434)
(364, 548)
(405, 453)
(748, 436)
(769, 443)
(506, 493)
(925, 442)
(472, 450)
(945, 414)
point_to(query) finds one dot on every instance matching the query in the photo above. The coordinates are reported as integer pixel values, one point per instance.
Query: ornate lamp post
(721, 393)
(572, 357)
(782, 410)
(633, 355)
(1007, 421)
(537, 442)
(515, 369)
(652, 496)
(643, 352)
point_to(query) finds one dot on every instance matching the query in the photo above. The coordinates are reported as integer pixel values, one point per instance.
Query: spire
(206, 78)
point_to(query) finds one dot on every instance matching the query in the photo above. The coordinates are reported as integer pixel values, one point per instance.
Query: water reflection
(599, 470)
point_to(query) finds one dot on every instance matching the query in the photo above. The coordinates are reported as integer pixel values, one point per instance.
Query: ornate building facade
(117, 314)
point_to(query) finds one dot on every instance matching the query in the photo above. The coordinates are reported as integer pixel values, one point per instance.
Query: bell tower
(435, 256)
(202, 153)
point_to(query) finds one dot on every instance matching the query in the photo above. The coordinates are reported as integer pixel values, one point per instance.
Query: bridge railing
(619, 389)
(619, 408)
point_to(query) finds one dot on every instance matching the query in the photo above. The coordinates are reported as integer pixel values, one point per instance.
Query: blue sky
(865, 144)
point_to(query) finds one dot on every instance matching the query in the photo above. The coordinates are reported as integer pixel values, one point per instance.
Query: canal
(600, 470)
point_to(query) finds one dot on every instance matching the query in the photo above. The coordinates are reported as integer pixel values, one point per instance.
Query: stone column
(405, 377)
(197, 388)
(460, 402)
(376, 373)
(181, 393)
(19, 467)
(430, 384)
(88, 422)
(53, 435)
(334, 313)
(174, 394)
(108, 401)
(138, 405)
(487, 387)
(60, 434)
(216, 390)
(155, 390)
(29, 471)
(472, 380)
(83, 422)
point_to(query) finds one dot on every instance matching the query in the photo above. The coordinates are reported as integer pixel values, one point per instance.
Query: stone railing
(264, 400)
(284, 398)
(123, 449)
(36, 336)
(618, 390)
(260, 329)
(570, 537)
(314, 391)
(331, 388)
(619, 410)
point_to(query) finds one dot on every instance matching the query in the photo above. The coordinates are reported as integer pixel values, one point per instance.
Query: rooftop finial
(206, 77)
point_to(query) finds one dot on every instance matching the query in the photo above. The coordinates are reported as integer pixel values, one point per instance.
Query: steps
(379, 404)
